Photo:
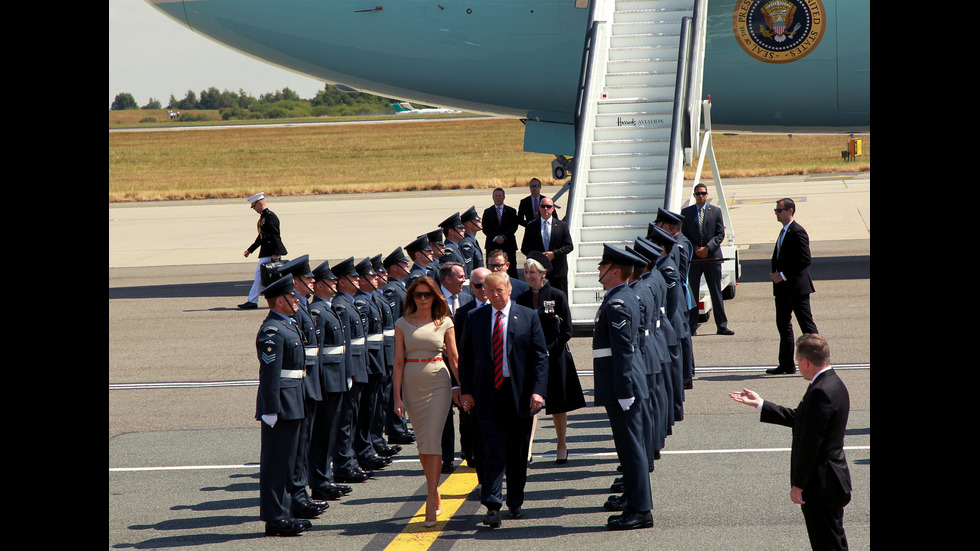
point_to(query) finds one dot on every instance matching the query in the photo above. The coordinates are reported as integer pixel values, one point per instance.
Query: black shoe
(492, 518)
(401, 439)
(283, 527)
(328, 493)
(725, 331)
(614, 503)
(306, 510)
(248, 306)
(617, 487)
(630, 520)
(351, 476)
(447, 466)
(389, 451)
(373, 463)
(688, 385)
(561, 460)
(781, 370)
(516, 512)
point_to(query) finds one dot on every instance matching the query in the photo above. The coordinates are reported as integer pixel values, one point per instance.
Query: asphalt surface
(183, 443)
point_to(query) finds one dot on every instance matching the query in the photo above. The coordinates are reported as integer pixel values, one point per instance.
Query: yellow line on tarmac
(454, 490)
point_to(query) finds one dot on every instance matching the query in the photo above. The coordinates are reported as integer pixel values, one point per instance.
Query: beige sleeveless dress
(426, 386)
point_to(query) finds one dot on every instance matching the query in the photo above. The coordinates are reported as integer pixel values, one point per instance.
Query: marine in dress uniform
(299, 270)
(346, 468)
(280, 406)
(334, 362)
(620, 386)
(268, 242)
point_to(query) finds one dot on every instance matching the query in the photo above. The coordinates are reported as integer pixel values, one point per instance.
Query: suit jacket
(525, 210)
(817, 462)
(269, 241)
(561, 244)
(711, 236)
(527, 358)
(792, 259)
(507, 227)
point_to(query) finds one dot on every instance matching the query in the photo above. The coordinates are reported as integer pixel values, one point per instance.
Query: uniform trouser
(673, 381)
(394, 425)
(660, 391)
(627, 429)
(687, 348)
(786, 306)
(277, 461)
(363, 440)
(381, 413)
(345, 460)
(301, 473)
(712, 275)
(325, 430)
(253, 293)
(506, 440)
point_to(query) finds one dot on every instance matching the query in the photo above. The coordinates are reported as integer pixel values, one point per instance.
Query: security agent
(398, 265)
(421, 253)
(346, 468)
(469, 247)
(299, 270)
(280, 406)
(335, 362)
(364, 302)
(620, 385)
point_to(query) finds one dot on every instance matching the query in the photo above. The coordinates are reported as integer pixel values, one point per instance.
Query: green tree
(123, 101)
(152, 104)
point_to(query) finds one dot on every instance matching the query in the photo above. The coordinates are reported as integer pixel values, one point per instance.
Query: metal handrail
(675, 160)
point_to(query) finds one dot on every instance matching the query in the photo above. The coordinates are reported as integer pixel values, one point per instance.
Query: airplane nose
(173, 9)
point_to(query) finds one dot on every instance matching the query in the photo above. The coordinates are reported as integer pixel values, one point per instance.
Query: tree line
(283, 103)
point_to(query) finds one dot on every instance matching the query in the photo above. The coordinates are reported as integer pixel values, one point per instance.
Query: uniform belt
(293, 373)
(601, 352)
(439, 359)
(312, 351)
(375, 337)
(358, 342)
(646, 331)
(389, 333)
(333, 349)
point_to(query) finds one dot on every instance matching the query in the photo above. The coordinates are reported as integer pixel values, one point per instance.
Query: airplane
(406, 108)
(524, 58)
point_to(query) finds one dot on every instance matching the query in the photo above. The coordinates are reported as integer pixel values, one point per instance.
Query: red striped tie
(498, 352)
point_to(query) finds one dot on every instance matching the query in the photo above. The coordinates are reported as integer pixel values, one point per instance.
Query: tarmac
(183, 442)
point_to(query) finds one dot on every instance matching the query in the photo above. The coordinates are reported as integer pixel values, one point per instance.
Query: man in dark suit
(268, 242)
(451, 278)
(527, 209)
(559, 243)
(705, 228)
(500, 224)
(469, 441)
(791, 283)
(819, 477)
(498, 261)
(503, 370)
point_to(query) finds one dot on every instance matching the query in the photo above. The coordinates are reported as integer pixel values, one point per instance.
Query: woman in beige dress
(420, 381)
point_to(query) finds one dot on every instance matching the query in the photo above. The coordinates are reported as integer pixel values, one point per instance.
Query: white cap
(257, 197)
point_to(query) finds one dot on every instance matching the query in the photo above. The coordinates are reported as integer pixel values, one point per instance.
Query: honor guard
(299, 269)
(469, 247)
(335, 362)
(388, 318)
(677, 312)
(438, 246)
(421, 254)
(345, 467)
(620, 387)
(681, 253)
(651, 277)
(364, 438)
(280, 406)
(452, 230)
(398, 265)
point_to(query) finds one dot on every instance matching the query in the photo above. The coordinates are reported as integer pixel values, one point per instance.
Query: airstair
(637, 125)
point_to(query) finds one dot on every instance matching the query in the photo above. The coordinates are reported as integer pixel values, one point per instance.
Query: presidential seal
(778, 31)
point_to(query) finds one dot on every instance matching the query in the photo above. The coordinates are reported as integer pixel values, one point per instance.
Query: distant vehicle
(405, 108)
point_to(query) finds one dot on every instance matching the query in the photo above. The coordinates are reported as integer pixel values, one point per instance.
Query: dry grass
(321, 159)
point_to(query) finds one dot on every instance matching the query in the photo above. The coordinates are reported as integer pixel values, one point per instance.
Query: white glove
(625, 403)
(350, 383)
(270, 419)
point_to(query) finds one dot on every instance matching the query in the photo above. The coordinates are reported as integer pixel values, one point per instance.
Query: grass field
(447, 154)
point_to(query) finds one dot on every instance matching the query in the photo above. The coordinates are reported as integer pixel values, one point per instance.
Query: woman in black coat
(564, 390)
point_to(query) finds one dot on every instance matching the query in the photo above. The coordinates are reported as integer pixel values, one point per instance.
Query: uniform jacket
(269, 242)
(343, 306)
(333, 346)
(279, 346)
(617, 369)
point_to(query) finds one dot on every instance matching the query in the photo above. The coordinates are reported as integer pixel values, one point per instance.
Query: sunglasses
(546, 206)
(535, 185)
(700, 193)
(778, 210)
(476, 285)
(423, 295)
